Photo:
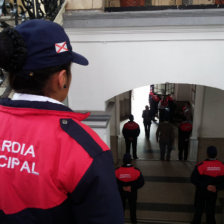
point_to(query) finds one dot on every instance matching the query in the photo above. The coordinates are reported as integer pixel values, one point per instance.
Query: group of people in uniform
(207, 176)
(162, 107)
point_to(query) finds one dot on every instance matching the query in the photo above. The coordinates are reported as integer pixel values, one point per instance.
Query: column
(198, 110)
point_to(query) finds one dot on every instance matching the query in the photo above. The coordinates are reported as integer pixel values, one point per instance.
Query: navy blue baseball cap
(48, 45)
(126, 158)
(212, 151)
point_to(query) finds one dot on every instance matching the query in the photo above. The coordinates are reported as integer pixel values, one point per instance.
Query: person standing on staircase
(163, 109)
(147, 117)
(208, 177)
(184, 132)
(131, 132)
(129, 179)
(165, 137)
(153, 102)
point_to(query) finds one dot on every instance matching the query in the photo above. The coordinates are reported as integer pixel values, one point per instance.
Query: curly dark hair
(13, 50)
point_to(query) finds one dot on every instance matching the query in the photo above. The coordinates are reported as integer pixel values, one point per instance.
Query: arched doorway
(207, 109)
(168, 195)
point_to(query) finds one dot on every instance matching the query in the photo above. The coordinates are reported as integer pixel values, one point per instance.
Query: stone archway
(208, 111)
(123, 59)
(149, 48)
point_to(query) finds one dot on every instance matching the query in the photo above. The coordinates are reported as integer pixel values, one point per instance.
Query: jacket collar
(22, 107)
(32, 97)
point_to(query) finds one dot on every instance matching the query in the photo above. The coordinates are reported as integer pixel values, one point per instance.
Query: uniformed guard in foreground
(131, 131)
(129, 179)
(208, 177)
(53, 168)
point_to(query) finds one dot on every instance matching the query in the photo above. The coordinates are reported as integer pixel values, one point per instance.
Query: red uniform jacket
(53, 168)
(131, 130)
(208, 172)
(128, 175)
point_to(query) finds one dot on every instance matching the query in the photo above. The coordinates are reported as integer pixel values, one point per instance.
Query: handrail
(19, 11)
(13, 12)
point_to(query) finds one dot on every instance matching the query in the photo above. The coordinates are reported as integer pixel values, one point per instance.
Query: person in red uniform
(53, 168)
(187, 111)
(208, 177)
(131, 131)
(171, 106)
(165, 137)
(153, 102)
(129, 180)
(184, 132)
(163, 109)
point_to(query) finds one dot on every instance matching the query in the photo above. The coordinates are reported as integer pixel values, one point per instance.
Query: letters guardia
(11, 162)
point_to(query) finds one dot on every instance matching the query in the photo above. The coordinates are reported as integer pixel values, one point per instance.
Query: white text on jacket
(8, 160)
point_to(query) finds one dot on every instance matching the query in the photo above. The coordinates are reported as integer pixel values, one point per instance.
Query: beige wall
(85, 4)
(112, 3)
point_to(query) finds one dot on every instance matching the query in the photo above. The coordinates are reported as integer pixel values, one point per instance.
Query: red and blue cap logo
(48, 45)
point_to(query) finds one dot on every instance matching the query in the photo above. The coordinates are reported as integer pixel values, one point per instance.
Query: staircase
(145, 221)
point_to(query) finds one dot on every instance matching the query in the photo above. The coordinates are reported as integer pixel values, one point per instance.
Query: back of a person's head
(127, 158)
(13, 57)
(146, 107)
(212, 152)
(34, 51)
(131, 117)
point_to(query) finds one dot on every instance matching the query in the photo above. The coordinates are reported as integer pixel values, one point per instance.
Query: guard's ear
(62, 79)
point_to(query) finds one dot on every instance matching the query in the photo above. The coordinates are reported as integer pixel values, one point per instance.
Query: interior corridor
(168, 195)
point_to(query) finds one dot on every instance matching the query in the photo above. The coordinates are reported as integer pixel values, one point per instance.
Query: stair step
(147, 221)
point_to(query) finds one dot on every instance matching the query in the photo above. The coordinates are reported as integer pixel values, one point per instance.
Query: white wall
(213, 111)
(124, 59)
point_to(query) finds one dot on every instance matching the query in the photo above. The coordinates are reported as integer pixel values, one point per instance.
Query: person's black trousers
(132, 198)
(165, 148)
(162, 113)
(132, 142)
(183, 149)
(147, 126)
(205, 202)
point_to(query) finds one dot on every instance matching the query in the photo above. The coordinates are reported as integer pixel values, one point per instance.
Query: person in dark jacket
(129, 180)
(153, 102)
(187, 111)
(131, 131)
(208, 177)
(147, 117)
(53, 168)
(184, 132)
(165, 137)
(171, 106)
(163, 109)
